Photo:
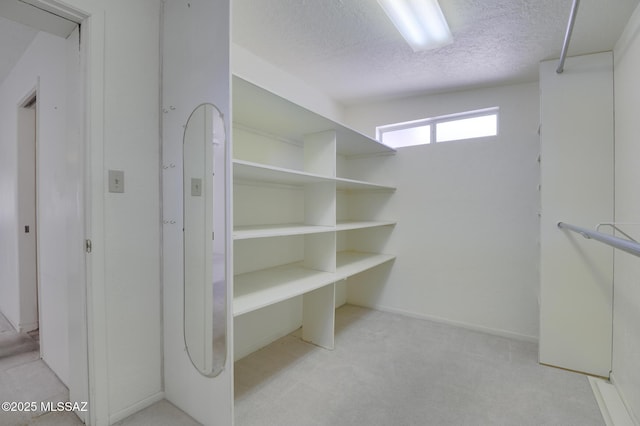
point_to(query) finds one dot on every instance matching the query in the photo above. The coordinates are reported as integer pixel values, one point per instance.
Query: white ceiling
(350, 50)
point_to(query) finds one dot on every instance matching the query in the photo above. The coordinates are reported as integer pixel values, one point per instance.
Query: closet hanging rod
(567, 36)
(619, 243)
(615, 227)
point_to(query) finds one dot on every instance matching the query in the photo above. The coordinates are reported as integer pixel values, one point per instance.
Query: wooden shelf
(350, 184)
(289, 229)
(255, 290)
(265, 231)
(285, 171)
(349, 225)
(349, 263)
(258, 289)
(257, 108)
(247, 171)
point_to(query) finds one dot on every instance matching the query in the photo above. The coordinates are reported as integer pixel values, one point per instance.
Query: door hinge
(87, 246)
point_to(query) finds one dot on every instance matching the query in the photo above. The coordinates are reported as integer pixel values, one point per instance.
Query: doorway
(27, 214)
(42, 131)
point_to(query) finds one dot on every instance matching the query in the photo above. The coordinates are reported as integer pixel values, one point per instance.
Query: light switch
(116, 181)
(196, 187)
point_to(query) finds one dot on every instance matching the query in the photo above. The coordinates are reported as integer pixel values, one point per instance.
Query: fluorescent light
(420, 22)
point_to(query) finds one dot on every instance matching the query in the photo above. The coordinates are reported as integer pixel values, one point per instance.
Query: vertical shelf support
(320, 252)
(318, 306)
(320, 204)
(318, 316)
(320, 153)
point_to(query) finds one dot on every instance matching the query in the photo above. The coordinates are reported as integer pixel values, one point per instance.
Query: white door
(27, 230)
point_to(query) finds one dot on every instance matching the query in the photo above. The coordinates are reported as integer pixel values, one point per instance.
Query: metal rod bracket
(630, 247)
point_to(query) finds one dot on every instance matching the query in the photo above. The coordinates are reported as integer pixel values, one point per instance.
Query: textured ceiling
(350, 50)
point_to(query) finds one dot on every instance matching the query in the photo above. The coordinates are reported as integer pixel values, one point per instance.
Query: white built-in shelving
(248, 171)
(288, 229)
(263, 111)
(294, 212)
(258, 289)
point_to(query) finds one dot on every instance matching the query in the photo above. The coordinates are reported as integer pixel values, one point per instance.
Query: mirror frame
(214, 320)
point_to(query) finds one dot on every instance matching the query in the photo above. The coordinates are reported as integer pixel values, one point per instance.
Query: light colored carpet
(13, 343)
(24, 377)
(393, 370)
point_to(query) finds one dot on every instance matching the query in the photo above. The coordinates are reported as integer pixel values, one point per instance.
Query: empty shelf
(248, 171)
(254, 172)
(258, 108)
(258, 289)
(349, 225)
(255, 290)
(350, 184)
(288, 229)
(349, 263)
(264, 231)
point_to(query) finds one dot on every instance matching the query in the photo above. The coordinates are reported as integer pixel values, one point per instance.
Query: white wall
(256, 70)
(123, 291)
(132, 219)
(124, 304)
(195, 71)
(577, 188)
(42, 65)
(467, 212)
(626, 315)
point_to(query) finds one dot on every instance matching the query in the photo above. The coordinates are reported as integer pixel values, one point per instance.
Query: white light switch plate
(116, 181)
(196, 187)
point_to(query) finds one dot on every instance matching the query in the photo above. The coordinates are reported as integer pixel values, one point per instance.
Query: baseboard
(473, 327)
(613, 410)
(625, 401)
(25, 328)
(123, 414)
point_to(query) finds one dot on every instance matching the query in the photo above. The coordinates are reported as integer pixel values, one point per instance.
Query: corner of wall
(629, 34)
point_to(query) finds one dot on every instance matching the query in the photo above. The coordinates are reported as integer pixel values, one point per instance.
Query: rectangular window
(467, 128)
(408, 136)
(466, 125)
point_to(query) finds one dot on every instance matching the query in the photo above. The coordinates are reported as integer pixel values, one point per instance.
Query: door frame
(89, 380)
(24, 103)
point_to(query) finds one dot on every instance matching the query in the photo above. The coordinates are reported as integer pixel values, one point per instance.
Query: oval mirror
(205, 298)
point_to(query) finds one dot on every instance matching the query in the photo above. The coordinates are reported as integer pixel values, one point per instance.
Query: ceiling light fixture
(421, 22)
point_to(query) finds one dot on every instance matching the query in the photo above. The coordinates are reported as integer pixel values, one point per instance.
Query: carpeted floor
(24, 377)
(388, 369)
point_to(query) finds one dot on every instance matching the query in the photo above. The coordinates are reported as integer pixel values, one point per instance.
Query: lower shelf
(255, 290)
(349, 263)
